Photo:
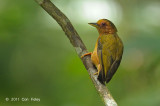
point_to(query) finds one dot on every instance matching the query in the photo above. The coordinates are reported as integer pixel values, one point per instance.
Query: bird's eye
(103, 24)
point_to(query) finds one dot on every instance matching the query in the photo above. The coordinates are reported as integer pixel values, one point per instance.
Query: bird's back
(109, 50)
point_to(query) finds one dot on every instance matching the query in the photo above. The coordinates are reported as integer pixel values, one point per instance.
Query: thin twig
(79, 46)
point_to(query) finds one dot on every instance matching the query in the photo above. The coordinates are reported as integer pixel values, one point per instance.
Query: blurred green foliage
(37, 59)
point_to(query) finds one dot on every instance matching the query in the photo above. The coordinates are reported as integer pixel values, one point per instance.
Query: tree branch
(80, 48)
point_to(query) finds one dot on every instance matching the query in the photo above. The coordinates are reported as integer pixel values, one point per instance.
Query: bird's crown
(104, 26)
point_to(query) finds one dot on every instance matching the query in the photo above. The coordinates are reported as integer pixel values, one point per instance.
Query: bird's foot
(99, 69)
(96, 73)
(86, 54)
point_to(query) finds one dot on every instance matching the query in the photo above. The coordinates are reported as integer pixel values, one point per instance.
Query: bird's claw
(96, 73)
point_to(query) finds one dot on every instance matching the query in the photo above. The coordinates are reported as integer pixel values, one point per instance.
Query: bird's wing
(117, 60)
(101, 76)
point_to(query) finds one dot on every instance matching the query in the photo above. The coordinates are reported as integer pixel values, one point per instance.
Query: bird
(108, 50)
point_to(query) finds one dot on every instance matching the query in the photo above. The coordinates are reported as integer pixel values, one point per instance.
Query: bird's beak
(93, 24)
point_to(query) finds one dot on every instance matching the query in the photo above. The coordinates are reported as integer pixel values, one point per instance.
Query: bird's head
(104, 26)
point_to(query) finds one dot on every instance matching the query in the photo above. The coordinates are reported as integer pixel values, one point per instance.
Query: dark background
(37, 60)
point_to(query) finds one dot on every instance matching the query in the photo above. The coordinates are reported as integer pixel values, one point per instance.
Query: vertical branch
(79, 46)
